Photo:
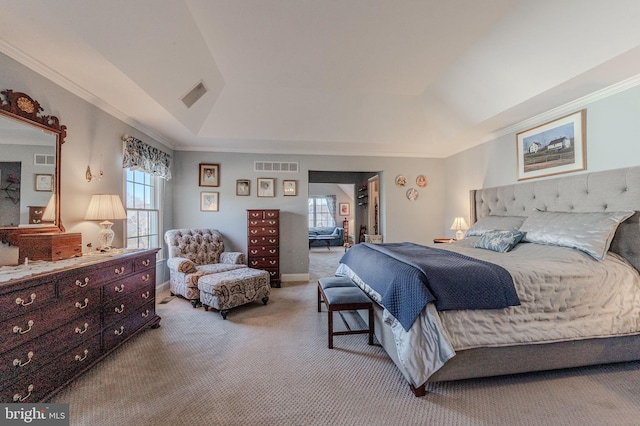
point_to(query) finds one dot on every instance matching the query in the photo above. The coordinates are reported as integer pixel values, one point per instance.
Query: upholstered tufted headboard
(610, 190)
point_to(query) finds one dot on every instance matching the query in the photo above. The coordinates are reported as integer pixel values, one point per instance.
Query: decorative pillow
(186, 266)
(500, 241)
(588, 232)
(492, 223)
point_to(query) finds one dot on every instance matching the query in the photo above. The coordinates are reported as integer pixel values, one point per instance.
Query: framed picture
(209, 175)
(266, 187)
(552, 148)
(345, 209)
(243, 187)
(289, 187)
(208, 201)
(44, 183)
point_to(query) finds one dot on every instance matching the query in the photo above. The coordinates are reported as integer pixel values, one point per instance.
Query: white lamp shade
(458, 225)
(105, 207)
(49, 214)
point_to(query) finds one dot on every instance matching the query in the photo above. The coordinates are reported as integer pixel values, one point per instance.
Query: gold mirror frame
(22, 107)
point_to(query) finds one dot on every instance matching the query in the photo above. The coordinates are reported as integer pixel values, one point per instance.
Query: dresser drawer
(264, 240)
(39, 351)
(27, 300)
(144, 262)
(116, 289)
(37, 385)
(258, 223)
(19, 330)
(260, 251)
(263, 262)
(263, 214)
(119, 309)
(78, 283)
(261, 231)
(118, 331)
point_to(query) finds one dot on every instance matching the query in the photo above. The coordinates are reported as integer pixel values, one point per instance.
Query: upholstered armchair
(194, 253)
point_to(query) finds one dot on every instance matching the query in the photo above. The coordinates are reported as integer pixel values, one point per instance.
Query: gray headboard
(610, 190)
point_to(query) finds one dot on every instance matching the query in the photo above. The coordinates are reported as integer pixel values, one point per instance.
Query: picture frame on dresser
(554, 147)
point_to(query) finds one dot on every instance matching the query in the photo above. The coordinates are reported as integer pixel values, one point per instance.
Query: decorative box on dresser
(263, 245)
(55, 325)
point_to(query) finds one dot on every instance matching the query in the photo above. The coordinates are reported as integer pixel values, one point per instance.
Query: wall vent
(44, 159)
(194, 94)
(275, 166)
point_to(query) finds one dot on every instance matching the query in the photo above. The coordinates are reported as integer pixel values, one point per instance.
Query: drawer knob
(119, 289)
(146, 295)
(82, 283)
(145, 314)
(119, 309)
(82, 330)
(146, 262)
(18, 362)
(22, 302)
(146, 277)
(119, 331)
(19, 330)
(19, 398)
(83, 357)
(80, 305)
(119, 271)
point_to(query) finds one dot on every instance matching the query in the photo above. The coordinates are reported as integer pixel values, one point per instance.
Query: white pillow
(495, 223)
(589, 232)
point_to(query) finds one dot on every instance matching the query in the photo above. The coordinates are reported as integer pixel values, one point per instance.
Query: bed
(575, 272)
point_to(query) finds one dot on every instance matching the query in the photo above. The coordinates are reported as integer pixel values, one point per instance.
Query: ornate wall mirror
(31, 145)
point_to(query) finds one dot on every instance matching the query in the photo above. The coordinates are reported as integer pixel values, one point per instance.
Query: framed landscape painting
(552, 148)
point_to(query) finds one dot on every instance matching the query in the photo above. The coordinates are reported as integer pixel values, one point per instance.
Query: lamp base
(105, 236)
(459, 234)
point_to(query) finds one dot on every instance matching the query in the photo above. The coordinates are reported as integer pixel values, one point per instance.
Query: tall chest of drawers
(263, 245)
(55, 325)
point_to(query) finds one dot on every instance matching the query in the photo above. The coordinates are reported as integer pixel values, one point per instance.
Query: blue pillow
(500, 241)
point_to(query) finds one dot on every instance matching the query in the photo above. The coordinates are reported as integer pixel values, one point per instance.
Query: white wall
(93, 138)
(402, 220)
(613, 130)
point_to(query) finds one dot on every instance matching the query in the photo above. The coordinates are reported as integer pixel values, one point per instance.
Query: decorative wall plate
(412, 194)
(422, 181)
(401, 180)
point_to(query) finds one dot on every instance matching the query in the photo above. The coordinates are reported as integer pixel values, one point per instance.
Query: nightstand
(443, 240)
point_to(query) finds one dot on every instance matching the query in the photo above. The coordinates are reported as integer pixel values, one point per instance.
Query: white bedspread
(565, 295)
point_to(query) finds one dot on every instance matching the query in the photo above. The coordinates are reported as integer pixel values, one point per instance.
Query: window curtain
(331, 206)
(141, 156)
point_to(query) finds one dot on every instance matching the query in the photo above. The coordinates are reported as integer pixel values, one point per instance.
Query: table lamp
(459, 224)
(105, 207)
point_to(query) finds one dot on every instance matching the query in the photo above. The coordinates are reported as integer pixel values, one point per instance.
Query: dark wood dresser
(56, 325)
(35, 215)
(263, 245)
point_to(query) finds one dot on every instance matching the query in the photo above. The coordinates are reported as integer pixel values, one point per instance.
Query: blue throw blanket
(408, 276)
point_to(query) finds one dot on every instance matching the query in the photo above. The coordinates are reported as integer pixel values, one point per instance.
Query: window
(322, 210)
(143, 213)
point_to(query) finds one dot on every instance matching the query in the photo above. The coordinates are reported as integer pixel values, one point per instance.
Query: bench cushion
(345, 295)
(331, 282)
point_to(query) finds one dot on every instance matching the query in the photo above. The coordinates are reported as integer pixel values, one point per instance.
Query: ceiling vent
(275, 166)
(196, 93)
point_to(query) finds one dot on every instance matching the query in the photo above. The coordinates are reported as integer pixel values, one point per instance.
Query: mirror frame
(22, 107)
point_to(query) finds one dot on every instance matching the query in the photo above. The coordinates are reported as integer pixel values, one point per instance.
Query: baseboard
(289, 278)
(162, 287)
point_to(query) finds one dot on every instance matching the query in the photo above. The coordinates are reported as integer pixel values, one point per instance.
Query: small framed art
(552, 148)
(266, 187)
(289, 187)
(208, 201)
(345, 209)
(44, 183)
(243, 187)
(209, 175)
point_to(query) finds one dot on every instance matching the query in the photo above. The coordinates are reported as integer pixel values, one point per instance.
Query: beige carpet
(270, 365)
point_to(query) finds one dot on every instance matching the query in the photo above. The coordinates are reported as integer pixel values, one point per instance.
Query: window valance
(141, 156)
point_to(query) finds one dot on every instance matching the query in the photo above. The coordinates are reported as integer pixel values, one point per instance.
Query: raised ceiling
(425, 78)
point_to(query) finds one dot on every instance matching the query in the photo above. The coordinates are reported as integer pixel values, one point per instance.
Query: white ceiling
(425, 78)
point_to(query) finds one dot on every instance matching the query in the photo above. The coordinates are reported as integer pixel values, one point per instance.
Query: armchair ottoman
(230, 289)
